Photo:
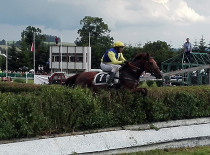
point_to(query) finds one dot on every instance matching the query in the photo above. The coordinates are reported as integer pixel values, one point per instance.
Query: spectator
(56, 40)
(188, 50)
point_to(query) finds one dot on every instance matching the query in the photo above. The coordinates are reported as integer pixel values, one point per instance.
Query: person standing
(188, 50)
(112, 60)
(56, 40)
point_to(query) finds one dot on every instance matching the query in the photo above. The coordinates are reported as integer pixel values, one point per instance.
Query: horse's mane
(140, 56)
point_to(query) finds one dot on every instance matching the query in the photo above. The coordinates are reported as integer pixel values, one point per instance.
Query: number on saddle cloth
(101, 78)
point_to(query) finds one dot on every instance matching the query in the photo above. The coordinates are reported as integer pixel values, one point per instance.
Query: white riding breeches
(106, 67)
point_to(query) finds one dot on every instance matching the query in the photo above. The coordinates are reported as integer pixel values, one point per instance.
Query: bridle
(151, 69)
(138, 69)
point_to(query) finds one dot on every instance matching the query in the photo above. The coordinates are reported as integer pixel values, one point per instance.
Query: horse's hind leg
(143, 91)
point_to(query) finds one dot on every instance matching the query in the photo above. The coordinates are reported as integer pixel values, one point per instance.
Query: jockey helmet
(118, 44)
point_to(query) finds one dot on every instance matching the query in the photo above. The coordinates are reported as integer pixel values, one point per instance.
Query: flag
(32, 46)
(33, 50)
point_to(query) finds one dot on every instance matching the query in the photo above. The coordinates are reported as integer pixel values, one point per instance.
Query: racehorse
(129, 74)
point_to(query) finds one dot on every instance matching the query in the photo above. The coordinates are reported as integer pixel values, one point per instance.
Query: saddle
(101, 78)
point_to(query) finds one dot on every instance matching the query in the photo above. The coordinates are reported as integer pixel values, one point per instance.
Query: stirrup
(110, 81)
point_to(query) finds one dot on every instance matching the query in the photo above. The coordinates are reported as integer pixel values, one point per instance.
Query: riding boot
(111, 78)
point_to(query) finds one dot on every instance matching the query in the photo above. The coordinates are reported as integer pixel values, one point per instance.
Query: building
(69, 59)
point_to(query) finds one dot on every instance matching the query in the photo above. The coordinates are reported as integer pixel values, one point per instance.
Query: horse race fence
(18, 75)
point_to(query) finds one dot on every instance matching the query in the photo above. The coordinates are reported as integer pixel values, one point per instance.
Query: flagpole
(61, 56)
(6, 59)
(89, 39)
(34, 54)
(89, 56)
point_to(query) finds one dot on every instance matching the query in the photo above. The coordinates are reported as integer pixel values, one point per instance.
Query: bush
(20, 116)
(159, 83)
(19, 80)
(122, 108)
(150, 82)
(18, 87)
(182, 105)
(69, 109)
(143, 84)
(29, 110)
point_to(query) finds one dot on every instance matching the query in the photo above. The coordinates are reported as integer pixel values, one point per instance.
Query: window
(72, 59)
(79, 59)
(64, 58)
(57, 59)
(56, 77)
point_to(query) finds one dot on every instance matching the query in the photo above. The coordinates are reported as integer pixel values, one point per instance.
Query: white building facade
(69, 59)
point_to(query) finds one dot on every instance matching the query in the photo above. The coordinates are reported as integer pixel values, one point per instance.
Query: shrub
(20, 116)
(182, 105)
(28, 110)
(143, 84)
(18, 87)
(123, 108)
(159, 83)
(155, 110)
(19, 80)
(150, 82)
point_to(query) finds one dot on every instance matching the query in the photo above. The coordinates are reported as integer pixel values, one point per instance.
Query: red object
(56, 40)
(57, 78)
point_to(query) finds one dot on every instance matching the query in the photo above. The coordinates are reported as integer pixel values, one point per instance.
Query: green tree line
(100, 41)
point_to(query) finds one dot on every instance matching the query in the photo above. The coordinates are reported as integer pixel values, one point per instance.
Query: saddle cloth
(101, 78)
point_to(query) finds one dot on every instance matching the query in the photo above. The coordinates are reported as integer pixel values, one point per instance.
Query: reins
(126, 79)
(133, 66)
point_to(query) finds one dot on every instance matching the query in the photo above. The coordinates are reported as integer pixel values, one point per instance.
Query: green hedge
(28, 110)
(18, 87)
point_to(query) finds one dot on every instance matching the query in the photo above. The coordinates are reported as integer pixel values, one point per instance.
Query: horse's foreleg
(143, 91)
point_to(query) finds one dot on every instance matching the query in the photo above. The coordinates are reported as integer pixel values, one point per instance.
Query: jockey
(112, 59)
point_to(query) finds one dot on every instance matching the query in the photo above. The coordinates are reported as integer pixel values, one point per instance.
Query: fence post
(26, 77)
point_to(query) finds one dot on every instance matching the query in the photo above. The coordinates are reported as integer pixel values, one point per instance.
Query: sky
(130, 21)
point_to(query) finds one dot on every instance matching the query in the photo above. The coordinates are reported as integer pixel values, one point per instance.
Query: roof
(63, 43)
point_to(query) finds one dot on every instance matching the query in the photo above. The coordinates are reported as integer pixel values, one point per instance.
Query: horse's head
(148, 64)
(152, 67)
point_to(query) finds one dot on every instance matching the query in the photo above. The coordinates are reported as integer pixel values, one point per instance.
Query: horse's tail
(71, 80)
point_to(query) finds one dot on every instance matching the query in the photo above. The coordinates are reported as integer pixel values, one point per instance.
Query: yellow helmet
(118, 44)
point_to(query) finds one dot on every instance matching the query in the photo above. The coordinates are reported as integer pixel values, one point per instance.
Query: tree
(27, 38)
(13, 58)
(195, 47)
(3, 42)
(50, 38)
(100, 39)
(202, 45)
(130, 52)
(208, 48)
(2, 62)
(160, 50)
(42, 56)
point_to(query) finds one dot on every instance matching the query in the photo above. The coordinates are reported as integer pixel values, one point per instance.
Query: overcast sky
(130, 21)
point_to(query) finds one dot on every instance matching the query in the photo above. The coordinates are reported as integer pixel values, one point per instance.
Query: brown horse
(129, 74)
